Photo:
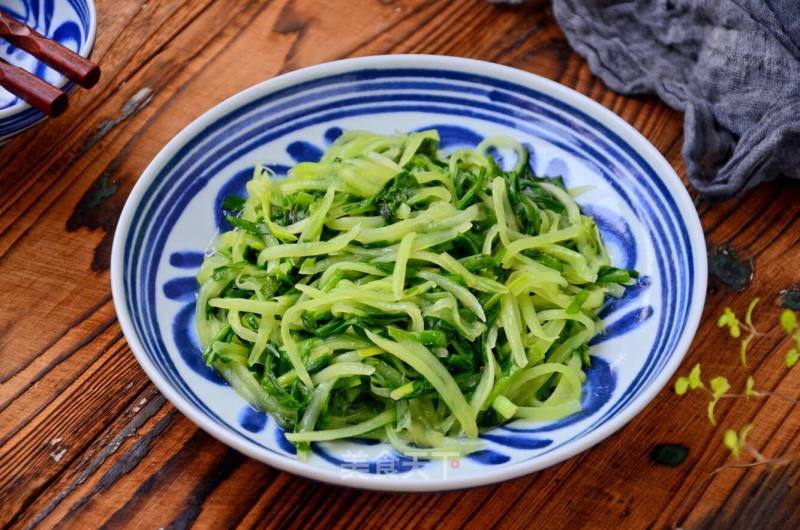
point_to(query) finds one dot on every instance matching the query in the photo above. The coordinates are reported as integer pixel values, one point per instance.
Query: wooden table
(85, 438)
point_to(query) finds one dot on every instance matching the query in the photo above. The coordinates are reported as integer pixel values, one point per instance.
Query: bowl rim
(625, 131)
(86, 49)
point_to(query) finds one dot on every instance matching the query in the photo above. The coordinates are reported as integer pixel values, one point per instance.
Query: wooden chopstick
(23, 84)
(53, 54)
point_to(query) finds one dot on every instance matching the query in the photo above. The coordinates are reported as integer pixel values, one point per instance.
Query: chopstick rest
(77, 68)
(23, 84)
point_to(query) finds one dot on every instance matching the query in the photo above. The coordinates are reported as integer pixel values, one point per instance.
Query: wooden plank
(86, 441)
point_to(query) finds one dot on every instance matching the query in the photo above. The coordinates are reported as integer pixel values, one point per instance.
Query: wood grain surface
(86, 440)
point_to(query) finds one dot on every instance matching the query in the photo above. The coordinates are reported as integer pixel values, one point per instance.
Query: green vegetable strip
(484, 388)
(308, 249)
(345, 432)
(529, 243)
(504, 407)
(403, 253)
(342, 369)
(347, 223)
(528, 313)
(498, 202)
(392, 291)
(240, 304)
(237, 327)
(423, 361)
(550, 413)
(452, 265)
(246, 384)
(447, 448)
(265, 327)
(462, 293)
(313, 229)
(511, 325)
(544, 369)
(318, 401)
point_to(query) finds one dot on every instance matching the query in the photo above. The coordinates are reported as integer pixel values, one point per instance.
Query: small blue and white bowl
(69, 22)
(643, 211)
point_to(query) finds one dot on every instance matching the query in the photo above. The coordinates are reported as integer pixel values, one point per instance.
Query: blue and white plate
(643, 210)
(69, 22)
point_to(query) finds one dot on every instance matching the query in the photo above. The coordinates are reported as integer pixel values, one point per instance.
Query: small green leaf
(681, 385)
(788, 321)
(728, 319)
(731, 441)
(749, 387)
(695, 380)
(719, 385)
(233, 203)
(792, 356)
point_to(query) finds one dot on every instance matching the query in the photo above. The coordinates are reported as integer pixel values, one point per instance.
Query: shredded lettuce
(394, 292)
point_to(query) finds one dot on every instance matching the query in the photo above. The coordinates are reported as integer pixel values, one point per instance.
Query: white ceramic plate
(643, 210)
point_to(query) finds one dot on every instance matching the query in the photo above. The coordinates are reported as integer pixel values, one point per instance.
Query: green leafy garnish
(719, 385)
(728, 319)
(734, 441)
(681, 385)
(692, 381)
(789, 325)
(233, 203)
(792, 356)
(695, 380)
(789, 321)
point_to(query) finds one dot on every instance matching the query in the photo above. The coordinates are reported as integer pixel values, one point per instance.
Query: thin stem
(761, 460)
(778, 395)
(756, 394)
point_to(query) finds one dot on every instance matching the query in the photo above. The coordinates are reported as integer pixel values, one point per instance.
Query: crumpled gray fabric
(733, 67)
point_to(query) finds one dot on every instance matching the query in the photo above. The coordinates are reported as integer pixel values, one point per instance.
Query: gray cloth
(733, 67)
